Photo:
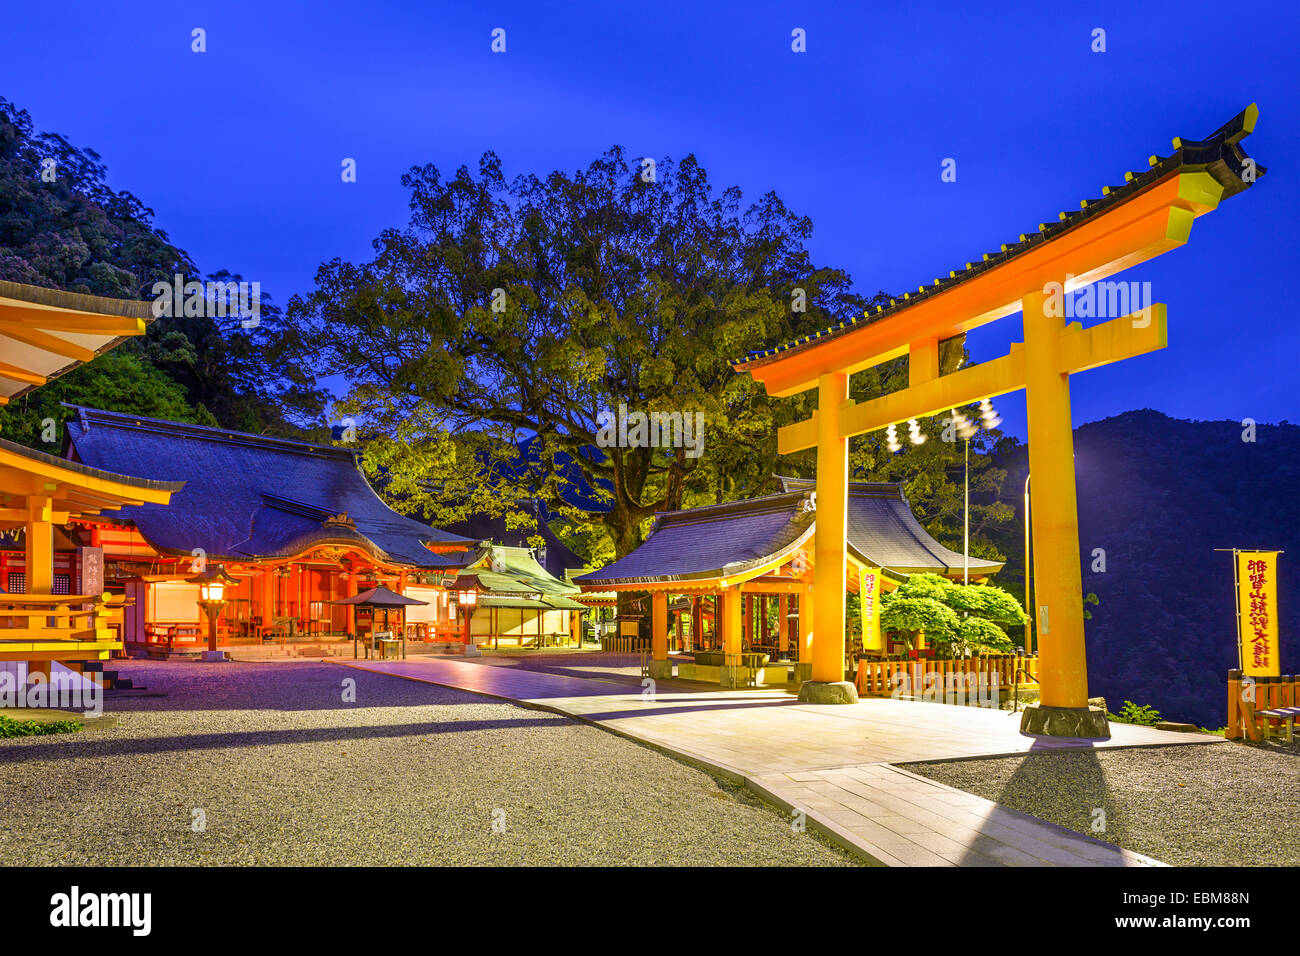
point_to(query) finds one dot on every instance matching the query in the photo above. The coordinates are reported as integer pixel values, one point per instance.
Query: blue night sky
(238, 149)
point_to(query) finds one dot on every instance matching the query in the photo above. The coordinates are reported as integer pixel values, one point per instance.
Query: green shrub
(979, 634)
(956, 617)
(36, 728)
(930, 586)
(919, 614)
(1132, 713)
(999, 606)
(981, 600)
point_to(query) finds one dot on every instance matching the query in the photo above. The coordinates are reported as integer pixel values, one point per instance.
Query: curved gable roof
(884, 533)
(713, 541)
(729, 539)
(251, 496)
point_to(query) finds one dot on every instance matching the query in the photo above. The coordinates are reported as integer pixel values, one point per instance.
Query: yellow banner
(869, 593)
(1257, 612)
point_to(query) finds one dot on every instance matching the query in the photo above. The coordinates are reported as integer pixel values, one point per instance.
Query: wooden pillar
(732, 622)
(697, 622)
(1063, 668)
(38, 548)
(660, 666)
(677, 629)
(832, 523)
(719, 612)
(747, 635)
(353, 591)
(806, 625)
(262, 588)
(783, 623)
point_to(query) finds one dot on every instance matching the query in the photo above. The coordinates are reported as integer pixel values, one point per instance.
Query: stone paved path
(836, 764)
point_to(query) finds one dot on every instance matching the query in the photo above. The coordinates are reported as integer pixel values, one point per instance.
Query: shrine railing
(914, 678)
(60, 617)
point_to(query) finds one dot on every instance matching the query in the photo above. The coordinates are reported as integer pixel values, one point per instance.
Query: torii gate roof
(1150, 213)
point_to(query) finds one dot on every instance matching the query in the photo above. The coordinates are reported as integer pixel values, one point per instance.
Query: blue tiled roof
(712, 541)
(250, 496)
(727, 539)
(884, 533)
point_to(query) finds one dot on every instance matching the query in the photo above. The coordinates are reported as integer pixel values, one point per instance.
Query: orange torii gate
(1150, 214)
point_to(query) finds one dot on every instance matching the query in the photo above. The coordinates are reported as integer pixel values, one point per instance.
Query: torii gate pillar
(828, 685)
(1062, 668)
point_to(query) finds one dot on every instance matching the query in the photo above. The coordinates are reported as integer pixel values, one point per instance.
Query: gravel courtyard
(1225, 805)
(287, 773)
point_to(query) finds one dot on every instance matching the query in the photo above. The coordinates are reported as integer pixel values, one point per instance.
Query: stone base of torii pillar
(1087, 722)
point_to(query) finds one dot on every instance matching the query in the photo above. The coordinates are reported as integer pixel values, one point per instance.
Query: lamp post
(966, 429)
(1029, 604)
(965, 534)
(212, 590)
(466, 601)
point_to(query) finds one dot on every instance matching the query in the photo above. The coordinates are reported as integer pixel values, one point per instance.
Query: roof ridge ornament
(340, 520)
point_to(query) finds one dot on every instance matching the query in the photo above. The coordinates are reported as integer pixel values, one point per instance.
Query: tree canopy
(521, 311)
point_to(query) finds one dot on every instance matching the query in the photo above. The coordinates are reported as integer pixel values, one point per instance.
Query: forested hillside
(63, 227)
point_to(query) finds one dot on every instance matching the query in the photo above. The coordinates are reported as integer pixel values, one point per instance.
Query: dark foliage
(68, 229)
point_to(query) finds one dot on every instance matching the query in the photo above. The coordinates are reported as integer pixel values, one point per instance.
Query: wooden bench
(1256, 704)
(1285, 715)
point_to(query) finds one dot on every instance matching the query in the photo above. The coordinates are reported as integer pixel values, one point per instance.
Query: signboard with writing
(869, 592)
(1256, 573)
(91, 562)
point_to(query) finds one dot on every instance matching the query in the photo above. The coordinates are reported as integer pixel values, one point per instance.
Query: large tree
(482, 343)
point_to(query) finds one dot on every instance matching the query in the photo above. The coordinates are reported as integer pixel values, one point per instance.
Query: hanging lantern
(988, 417)
(212, 583)
(966, 429)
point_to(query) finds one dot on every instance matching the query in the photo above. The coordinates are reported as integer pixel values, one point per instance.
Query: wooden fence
(624, 643)
(909, 678)
(1249, 695)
